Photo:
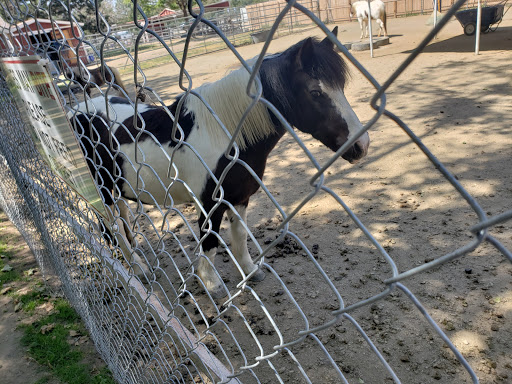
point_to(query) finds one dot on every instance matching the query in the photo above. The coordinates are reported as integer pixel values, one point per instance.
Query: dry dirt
(460, 105)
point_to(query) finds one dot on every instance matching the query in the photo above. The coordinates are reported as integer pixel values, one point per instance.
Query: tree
(175, 4)
(150, 7)
(117, 11)
(82, 10)
(243, 3)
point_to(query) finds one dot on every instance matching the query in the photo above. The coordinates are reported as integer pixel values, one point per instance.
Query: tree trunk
(183, 6)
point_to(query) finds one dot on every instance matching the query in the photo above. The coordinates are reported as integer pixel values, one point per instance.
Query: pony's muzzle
(358, 150)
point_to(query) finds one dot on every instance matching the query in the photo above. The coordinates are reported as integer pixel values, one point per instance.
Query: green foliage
(31, 300)
(47, 342)
(117, 11)
(103, 377)
(83, 11)
(65, 312)
(43, 380)
(175, 4)
(243, 3)
(150, 7)
(7, 275)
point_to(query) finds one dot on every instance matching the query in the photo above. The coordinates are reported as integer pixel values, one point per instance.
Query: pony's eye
(315, 93)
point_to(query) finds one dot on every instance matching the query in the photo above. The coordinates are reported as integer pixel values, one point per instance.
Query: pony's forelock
(328, 66)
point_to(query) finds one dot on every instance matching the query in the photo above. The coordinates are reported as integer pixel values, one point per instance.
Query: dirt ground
(460, 105)
(15, 366)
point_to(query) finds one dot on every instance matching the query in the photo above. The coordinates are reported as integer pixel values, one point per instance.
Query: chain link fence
(241, 25)
(317, 317)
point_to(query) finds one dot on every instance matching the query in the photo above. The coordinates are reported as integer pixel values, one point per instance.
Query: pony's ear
(328, 43)
(306, 54)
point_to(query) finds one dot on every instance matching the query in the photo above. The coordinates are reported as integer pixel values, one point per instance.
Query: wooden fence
(262, 15)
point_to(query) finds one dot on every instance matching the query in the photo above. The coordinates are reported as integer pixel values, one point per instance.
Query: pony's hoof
(218, 293)
(258, 276)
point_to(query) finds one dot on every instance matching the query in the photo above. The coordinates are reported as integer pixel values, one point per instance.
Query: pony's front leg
(208, 273)
(208, 250)
(124, 238)
(239, 243)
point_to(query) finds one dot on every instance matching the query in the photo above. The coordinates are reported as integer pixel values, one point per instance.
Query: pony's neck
(228, 98)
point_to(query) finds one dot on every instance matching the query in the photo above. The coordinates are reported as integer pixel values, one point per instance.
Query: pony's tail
(117, 79)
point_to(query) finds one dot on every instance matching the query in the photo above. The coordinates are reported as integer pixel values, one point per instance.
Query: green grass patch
(31, 300)
(43, 380)
(120, 51)
(7, 274)
(48, 342)
(147, 64)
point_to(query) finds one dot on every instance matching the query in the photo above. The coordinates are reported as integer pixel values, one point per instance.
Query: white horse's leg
(361, 25)
(381, 27)
(124, 238)
(384, 26)
(239, 243)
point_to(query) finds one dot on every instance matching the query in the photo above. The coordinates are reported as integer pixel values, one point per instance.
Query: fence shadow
(500, 39)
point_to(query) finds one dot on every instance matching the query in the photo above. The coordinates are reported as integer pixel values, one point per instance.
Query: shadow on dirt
(500, 39)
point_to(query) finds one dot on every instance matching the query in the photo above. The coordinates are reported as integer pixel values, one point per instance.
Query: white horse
(378, 13)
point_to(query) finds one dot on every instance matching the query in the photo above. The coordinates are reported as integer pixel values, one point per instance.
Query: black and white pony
(378, 12)
(305, 83)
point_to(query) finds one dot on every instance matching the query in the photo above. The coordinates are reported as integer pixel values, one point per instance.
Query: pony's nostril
(358, 149)
(357, 152)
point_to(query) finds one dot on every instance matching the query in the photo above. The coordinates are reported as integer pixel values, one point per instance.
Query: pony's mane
(228, 98)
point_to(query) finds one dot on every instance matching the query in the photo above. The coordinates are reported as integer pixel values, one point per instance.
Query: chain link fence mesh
(299, 324)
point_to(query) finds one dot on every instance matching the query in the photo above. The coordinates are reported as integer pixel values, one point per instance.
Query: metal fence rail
(165, 328)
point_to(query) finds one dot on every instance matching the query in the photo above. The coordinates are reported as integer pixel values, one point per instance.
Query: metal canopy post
(370, 28)
(478, 27)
